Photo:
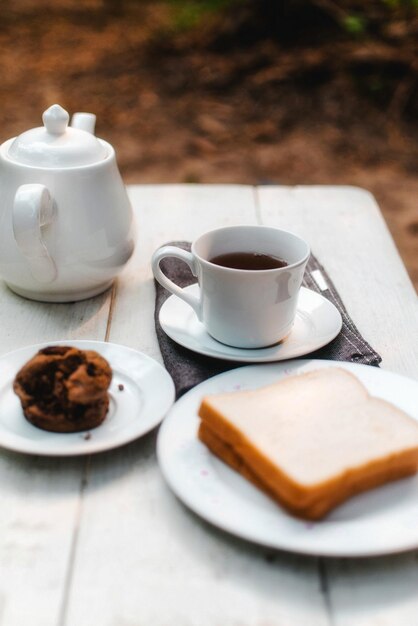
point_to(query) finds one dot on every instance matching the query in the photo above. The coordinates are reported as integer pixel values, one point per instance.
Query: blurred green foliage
(355, 24)
(189, 13)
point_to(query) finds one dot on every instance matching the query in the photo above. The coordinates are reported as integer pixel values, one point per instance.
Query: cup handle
(187, 257)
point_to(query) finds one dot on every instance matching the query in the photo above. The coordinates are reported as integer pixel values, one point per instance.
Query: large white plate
(380, 521)
(147, 395)
(317, 323)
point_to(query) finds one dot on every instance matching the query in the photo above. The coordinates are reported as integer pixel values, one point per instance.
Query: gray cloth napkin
(189, 369)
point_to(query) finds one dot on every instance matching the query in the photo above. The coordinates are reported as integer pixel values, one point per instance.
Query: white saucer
(317, 323)
(381, 521)
(146, 396)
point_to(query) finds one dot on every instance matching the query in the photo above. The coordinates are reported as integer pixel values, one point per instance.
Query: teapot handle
(33, 210)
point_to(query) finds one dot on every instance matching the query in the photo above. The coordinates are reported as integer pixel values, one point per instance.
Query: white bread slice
(311, 441)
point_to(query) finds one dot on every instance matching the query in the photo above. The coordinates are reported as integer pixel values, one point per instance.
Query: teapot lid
(57, 145)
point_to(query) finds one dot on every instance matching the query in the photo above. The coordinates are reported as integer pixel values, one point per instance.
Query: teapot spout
(84, 121)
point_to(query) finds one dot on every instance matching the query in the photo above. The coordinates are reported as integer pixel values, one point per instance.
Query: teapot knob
(55, 119)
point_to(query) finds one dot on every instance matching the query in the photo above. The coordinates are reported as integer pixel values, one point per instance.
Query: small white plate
(147, 395)
(381, 521)
(317, 323)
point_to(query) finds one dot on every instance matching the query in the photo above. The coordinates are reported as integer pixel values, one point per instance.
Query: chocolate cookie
(64, 390)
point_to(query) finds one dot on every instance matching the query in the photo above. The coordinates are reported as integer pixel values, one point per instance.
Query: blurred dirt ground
(224, 102)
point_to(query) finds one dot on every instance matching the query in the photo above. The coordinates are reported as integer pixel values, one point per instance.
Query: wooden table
(102, 540)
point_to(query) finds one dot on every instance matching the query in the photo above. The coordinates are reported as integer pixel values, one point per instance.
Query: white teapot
(66, 224)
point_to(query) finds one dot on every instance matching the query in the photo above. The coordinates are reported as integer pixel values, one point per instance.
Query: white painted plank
(374, 592)
(142, 558)
(24, 322)
(348, 234)
(39, 508)
(40, 497)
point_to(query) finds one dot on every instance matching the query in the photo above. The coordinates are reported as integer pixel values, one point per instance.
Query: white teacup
(239, 307)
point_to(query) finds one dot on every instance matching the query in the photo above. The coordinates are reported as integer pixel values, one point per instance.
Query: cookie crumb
(121, 387)
(87, 436)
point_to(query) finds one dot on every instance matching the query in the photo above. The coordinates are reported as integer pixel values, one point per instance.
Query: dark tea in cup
(248, 261)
